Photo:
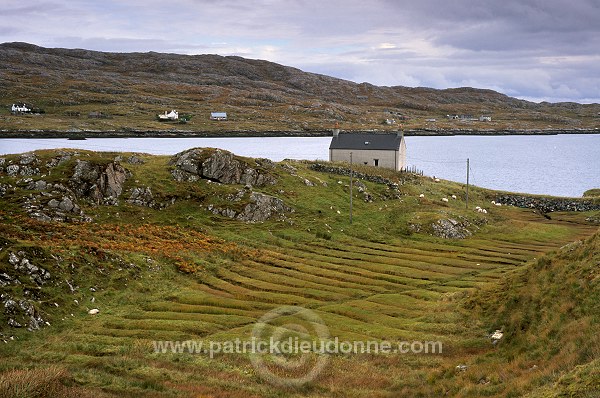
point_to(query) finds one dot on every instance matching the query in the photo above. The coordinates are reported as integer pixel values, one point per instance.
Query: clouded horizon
(539, 50)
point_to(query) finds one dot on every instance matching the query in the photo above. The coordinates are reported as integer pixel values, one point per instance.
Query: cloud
(527, 48)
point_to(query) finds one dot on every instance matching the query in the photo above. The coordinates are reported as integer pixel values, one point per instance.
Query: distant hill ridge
(258, 94)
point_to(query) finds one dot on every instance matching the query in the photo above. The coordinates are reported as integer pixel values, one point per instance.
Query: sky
(539, 50)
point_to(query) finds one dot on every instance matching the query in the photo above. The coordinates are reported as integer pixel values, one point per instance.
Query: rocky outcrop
(220, 166)
(54, 202)
(141, 197)
(260, 208)
(25, 167)
(101, 184)
(547, 205)
(23, 266)
(22, 313)
(450, 229)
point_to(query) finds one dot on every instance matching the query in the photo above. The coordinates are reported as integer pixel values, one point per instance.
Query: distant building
(173, 115)
(218, 116)
(484, 118)
(20, 108)
(97, 115)
(386, 150)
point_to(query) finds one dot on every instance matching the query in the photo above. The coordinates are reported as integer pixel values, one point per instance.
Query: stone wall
(547, 205)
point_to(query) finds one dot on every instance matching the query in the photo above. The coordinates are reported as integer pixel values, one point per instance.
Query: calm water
(563, 165)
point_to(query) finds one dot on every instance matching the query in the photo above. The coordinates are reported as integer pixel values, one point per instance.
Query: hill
(132, 88)
(203, 246)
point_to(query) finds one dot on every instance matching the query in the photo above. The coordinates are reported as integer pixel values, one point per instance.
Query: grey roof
(366, 141)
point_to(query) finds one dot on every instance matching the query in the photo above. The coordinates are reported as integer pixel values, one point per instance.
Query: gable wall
(388, 159)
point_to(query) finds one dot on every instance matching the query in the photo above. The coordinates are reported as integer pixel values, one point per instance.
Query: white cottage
(173, 115)
(20, 108)
(386, 150)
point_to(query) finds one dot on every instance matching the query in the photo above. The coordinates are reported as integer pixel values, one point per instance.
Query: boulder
(262, 207)
(103, 184)
(66, 204)
(220, 166)
(12, 170)
(28, 158)
(450, 229)
(141, 197)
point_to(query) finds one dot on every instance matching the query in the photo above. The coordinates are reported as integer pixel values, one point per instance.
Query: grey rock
(5, 279)
(133, 159)
(10, 307)
(39, 185)
(450, 229)
(220, 166)
(263, 207)
(28, 171)
(142, 197)
(53, 203)
(4, 188)
(58, 160)
(12, 170)
(101, 184)
(40, 216)
(13, 259)
(28, 158)
(66, 204)
(11, 322)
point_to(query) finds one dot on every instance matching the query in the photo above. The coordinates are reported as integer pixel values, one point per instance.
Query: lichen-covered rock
(102, 184)
(12, 170)
(262, 207)
(38, 185)
(28, 158)
(22, 265)
(141, 197)
(450, 229)
(220, 166)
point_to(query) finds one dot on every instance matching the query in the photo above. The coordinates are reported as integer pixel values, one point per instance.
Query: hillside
(132, 88)
(202, 245)
(548, 312)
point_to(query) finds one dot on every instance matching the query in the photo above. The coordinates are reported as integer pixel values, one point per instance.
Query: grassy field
(183, 273)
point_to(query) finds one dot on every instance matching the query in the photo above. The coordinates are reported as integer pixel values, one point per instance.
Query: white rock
(453, 196)
(498, 204)
(437, 180)
(93, 311)
(444, 199)
(421, 196)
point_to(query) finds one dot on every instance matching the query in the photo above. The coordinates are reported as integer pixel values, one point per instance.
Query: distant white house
(20, 108)
(218, 116)
(173, 115)
(484, 118)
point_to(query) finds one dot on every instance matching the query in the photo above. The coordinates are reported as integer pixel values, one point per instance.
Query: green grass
(374, 279)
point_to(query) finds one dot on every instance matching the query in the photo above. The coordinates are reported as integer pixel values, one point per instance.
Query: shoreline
(33, 134)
